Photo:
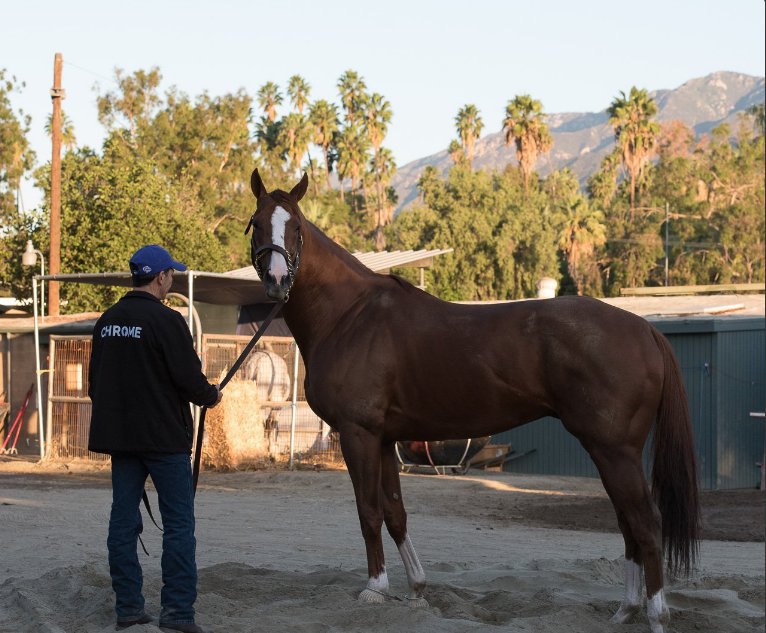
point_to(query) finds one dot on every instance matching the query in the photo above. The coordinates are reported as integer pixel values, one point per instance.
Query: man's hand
(218, 398)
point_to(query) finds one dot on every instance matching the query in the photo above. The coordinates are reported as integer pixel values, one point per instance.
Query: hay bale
(235, 436)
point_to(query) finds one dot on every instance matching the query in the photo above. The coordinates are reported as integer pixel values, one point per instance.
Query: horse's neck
(329, 282)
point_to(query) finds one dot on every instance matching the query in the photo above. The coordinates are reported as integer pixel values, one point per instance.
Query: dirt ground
(282, 551)
(727, 515)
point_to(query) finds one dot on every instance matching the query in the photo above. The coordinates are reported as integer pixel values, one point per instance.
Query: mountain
(581, 140)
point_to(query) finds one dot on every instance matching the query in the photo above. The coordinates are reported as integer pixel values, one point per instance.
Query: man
(143, 374)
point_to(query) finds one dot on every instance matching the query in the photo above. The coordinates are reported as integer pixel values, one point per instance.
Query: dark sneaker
(184, 627)
(126, 624)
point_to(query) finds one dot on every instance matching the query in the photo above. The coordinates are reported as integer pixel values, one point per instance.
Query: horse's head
(275, 245)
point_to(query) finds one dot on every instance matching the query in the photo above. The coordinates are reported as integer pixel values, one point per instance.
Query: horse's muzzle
(274, 290)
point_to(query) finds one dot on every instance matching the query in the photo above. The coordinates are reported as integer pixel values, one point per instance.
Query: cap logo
(147, 269)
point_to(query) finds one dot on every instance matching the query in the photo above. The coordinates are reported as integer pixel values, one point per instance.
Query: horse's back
(434, 365)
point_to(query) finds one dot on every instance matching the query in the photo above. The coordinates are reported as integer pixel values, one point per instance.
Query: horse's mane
(283, 198)
(335, 249)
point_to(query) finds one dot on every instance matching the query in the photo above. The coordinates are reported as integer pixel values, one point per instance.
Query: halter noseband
(292, 263)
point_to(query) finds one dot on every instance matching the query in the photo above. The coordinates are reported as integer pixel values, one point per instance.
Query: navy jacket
(143, 374)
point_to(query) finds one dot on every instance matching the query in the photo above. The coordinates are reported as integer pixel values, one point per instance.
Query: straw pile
(235, 436)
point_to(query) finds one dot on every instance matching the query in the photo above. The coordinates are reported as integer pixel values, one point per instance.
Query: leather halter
(256, 253)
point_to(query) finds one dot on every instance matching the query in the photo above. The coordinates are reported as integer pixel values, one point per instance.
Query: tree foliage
(503, 241)
(115, 203)
(175, 169)
(469, 125)
(524, 125)
(16, 161)
(635, 132)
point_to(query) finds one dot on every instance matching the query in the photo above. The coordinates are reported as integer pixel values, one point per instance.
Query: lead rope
(201, 426)
(234, 368)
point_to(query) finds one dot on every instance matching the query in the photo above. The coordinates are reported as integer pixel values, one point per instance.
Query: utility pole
(667, 258)
(54, 257)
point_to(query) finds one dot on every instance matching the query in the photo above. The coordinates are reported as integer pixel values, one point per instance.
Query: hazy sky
(428, 58)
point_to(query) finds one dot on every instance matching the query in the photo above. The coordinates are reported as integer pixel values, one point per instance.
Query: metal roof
(675, 307)
(215, 288)
(377, 262)
(386, 260)
(242, 286)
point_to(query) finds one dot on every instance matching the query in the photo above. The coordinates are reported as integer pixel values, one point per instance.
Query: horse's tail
(674, 474)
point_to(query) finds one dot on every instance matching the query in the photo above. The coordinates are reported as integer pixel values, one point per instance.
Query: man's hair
(145, 280)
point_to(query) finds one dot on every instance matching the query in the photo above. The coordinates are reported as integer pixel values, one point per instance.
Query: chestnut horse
(386, 361)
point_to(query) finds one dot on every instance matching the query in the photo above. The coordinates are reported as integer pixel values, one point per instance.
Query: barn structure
(718, 338)
(50, 354)
(719, 343)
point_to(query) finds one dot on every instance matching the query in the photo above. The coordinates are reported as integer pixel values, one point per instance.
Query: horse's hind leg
(641, 526)
(396, 523)
(361, 450)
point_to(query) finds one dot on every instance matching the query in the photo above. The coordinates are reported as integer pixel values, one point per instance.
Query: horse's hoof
(656, 627)
(625, 613)
(371, 597)
(417, 603)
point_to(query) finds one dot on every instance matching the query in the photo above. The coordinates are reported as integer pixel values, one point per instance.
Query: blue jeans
(172, 477)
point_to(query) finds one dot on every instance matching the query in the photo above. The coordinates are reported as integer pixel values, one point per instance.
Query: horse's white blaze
(379, 583)
(415, 574)
(278, 265)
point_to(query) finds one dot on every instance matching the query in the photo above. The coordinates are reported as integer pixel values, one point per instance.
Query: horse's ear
(256, 184)
(300, 189)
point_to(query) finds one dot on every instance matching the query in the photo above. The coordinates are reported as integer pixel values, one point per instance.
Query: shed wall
(739, 374)
(723, 371)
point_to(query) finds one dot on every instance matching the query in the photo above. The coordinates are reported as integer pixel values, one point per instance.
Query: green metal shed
(722, 360)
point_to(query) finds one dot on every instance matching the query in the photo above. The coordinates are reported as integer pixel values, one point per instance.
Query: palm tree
(469, 126)
(268, 137)
(353, 146)
(455, 151)
(757, 112)
(582, 230)
(269, 98)
(352, 88)
(634, 132)
(383, 166)
(602, 184)
(524, 124)
(68, 139)
(294, 138)
(377, 115)
(323, 116)
(298, 90)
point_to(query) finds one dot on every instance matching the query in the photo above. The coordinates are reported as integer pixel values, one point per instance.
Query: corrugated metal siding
(695, 357)
(723, 369)
(555, 450)
(739, 374)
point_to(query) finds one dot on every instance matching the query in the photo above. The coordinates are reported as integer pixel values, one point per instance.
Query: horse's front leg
(396, 522)
(361, 450)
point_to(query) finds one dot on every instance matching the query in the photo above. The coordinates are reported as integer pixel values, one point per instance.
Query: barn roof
(242, 286)
(376, 261)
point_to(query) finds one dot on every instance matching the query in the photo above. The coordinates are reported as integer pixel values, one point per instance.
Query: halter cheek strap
(292, 264)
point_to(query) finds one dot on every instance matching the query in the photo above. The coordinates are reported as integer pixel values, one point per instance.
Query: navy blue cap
(152, 259)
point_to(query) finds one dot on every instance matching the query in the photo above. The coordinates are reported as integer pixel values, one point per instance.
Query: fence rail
(264, 415)
(274, 370)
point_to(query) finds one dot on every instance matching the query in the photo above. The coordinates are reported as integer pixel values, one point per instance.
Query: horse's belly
(457, 420)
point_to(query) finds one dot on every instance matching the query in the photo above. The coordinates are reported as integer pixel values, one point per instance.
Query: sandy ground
(281, 551)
